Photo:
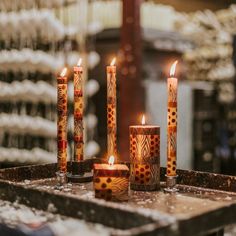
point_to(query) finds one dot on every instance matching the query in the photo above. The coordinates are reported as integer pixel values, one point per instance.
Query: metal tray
(201, 205)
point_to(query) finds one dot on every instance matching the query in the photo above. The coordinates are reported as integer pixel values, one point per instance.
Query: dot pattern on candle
(145, 158)
(110, 188)
(78, 114)
(111, 111)
(144, 174)
(62, 123)
(172, 126)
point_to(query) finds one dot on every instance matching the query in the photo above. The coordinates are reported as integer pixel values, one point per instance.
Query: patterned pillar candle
(111, 181)
(144, 157)
(111, 109)
(172, 84)
(62, 121)
(78, 112)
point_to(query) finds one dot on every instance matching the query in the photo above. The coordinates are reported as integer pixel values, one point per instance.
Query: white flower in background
(91, 149)
(36, 155)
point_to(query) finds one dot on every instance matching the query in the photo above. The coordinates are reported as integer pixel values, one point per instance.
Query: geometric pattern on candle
(62, 124)
(78, 114)
(111, 188)
(172, 89)
(111, 112)
(172, 149)
(62, 98)
(145, 148)
(62, 159)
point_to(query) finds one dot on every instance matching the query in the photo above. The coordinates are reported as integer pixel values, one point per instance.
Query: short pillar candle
(111, 181)
(62, 121)
(145, 157)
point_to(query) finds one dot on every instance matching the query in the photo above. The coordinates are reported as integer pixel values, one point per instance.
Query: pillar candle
(144, 157)
(111, 181)
(62, 121)
(111, 109)
(172, 84)
(78, 112)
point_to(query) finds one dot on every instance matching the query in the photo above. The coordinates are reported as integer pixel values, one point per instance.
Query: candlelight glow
(113, 61)
(172, 69)
(143, 120)
(63, 73)
(111, 160)
(79, 62)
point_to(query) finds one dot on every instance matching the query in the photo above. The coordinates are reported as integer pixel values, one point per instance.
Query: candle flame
(143, 120)
(79, 62)
(172, 69)
(113, 61)
(111, 160)
(63, 73)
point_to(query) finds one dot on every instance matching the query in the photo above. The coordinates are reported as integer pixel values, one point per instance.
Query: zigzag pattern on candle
(111, 188)
(78, 115)
(143, 148)
(111, 114)
(172, 127)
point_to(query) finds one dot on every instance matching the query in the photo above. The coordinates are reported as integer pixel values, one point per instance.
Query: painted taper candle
(172, 86)
(78, 112)
(62, 121)
(111, 109)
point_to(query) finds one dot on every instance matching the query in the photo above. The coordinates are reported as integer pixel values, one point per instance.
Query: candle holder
(171, 183)
(78, 174)
(61, 178)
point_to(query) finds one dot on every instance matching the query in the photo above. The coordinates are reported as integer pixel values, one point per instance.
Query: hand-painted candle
(144, 157)
(172, 84)
(62, 121)
(111, 181)
(78, 112)
(111, 109)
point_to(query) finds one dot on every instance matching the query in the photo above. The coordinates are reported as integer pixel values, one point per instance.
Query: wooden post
(131, 99)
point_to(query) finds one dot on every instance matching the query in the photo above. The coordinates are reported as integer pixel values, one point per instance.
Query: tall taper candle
(78, 112)
(111, 109)
(172, 85)
(62, 121)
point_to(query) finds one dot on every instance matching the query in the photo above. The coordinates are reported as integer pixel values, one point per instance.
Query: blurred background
(39, 37)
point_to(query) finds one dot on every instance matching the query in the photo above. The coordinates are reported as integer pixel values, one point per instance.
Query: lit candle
(144, 157)
(62, 121)
(111, 109)
(111, 181)
(78, 112)
(172, 85)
